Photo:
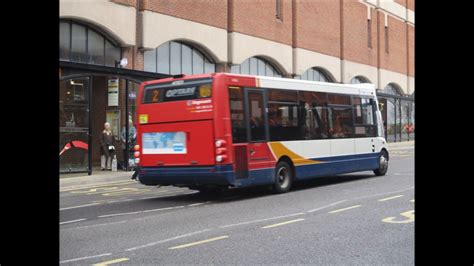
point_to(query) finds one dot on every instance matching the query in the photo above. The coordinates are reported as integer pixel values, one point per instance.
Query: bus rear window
(177, 92)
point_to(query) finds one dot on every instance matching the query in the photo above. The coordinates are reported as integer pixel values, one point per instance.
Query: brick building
(344, 41)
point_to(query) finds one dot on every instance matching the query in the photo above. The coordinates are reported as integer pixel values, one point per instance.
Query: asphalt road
(350, 219)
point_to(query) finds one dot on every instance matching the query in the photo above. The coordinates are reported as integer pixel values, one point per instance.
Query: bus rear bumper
(186, 176)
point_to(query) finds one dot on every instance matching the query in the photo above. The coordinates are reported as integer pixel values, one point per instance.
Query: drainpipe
(341, 38)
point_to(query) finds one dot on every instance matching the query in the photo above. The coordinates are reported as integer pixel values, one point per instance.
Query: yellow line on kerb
(344, 209)
(111, 262)
(283, 223)
(394, 197)
(199, 242)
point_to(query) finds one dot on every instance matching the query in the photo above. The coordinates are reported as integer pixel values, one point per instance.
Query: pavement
(351, 219)
(97, 178)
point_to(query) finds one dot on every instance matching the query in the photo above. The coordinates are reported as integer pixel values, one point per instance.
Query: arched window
(358, 80)
(174, 58)
(83, 44)
(392, 89)
(315, 74)
(256, 66)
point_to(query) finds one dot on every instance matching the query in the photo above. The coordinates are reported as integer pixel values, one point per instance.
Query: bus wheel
(283, 177)
(383, 164)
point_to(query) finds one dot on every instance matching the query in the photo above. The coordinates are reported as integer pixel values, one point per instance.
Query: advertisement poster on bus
(164, 143)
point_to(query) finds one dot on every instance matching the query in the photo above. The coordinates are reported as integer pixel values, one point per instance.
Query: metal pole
(408, 118)
(126, 125)
(400, 119)
(89, 79)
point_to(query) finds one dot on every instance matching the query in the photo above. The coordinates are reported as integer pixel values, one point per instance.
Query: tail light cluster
(221, 150)
(136, 154)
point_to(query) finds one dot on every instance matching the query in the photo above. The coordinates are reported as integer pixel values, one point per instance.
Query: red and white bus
(225, 130)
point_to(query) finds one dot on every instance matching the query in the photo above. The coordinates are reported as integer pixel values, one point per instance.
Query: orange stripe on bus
(280, 150)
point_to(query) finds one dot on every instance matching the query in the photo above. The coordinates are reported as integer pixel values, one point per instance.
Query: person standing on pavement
(107, 145)
(132, 135)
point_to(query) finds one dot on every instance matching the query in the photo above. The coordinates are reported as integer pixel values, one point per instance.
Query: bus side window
(256, 111)
(364, 117)
(341, 118)
(313, 115)
(236, 103)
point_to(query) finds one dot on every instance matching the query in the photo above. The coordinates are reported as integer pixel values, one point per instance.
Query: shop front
(398, 113)
(89, 97)
(94, 88)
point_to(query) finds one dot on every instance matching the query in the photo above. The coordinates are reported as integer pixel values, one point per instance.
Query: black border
(30, 211)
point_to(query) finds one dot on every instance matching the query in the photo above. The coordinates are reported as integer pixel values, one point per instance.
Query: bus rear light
(137, 160)
(136, 147)
(220, 143)
(221, 151)
(220, 158)
(136, 154)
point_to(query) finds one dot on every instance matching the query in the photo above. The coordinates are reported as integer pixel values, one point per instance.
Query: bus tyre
(383, 164)
(283, 177)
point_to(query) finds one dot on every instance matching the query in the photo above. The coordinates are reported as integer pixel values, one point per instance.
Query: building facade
(344, 41)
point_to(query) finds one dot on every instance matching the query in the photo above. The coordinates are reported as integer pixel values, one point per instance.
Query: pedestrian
(132, 135)
(107, 145)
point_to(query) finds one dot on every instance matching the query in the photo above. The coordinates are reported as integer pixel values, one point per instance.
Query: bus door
(259, 155)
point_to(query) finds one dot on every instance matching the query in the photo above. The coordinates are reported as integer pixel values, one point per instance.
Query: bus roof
(285, 83)
(307, 85)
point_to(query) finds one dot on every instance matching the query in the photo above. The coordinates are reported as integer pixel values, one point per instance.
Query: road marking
(94, 225)
(152, 197)
(118, 214)
(345, 209)
(389, 198)
(199, 203)
(409, 214)
(262, 220)
(80, 206)
(95, 186)
(320, 208)
(167, 240)
(283, 223)
(96, 190)
(112, 191)
(413, 200)
(163, 209)
(126, 191)
(108, 201)
(199, 242)
(110, 262)
(85, 258)
(382, 194)
(145, 211)
(73, 221)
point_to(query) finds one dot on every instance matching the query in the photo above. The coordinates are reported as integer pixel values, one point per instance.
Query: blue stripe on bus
(338, 165)
(224, 175)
